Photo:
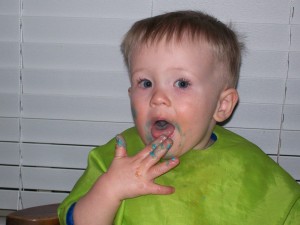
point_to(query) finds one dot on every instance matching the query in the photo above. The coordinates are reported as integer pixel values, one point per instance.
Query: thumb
(120, 147)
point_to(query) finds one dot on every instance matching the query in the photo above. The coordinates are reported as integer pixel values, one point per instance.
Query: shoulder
(249, 158)
(260, 175)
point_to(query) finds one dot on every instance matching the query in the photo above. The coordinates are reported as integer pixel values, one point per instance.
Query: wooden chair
(40, 215)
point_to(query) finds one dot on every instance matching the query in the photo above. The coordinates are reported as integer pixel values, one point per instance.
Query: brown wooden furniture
(40, 215)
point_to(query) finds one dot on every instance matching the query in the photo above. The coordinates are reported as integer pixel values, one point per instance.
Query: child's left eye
(182, 83)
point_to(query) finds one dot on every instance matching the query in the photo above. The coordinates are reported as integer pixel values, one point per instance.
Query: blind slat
(295, 43)
(9, 27)
(9, 81)
(9, 54)
(294, 64)
(258, 35)
(291, 117)
(8, 199)
(265, 64)
(74, 82)
(55, 155)
(50, 179)
(9, 153)
(296, 17)
(33, 198)
(70, 132)
(11, 103)
(289, 142)
(291, 165)
(9, 7)
(76, 108)
(75, 56)
(9, 177)
(276, 11)
(264, 116)
(267, 140)
(75, 29)
(94, 8)
(267, 90)
(293, 91)
(9, 129)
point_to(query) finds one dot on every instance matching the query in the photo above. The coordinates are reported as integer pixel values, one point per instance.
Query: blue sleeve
(69, 218)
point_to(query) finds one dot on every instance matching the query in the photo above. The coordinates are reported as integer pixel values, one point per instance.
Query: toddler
(177, 166)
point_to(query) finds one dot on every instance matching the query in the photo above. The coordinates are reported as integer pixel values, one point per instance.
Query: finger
(152, 146)
(157, 189)
(163, 167)
(161, 149)
(120, 151)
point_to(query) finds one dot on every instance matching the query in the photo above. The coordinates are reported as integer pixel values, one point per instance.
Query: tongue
(162, 128)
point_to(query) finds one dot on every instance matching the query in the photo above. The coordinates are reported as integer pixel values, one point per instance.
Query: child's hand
(130, 177)
(127, 177)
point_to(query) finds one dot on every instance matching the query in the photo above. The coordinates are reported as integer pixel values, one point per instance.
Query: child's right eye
(144, 83)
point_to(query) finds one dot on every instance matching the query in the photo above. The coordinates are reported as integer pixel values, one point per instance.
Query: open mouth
(161, 124)
(162, 127)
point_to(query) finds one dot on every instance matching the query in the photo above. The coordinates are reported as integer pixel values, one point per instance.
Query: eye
(144, 83)
(182, 83)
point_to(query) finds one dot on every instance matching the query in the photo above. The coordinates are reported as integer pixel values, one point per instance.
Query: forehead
(182, 48)
(165, 42)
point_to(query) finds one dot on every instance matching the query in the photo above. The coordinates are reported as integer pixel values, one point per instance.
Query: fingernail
(171, 160)
(120, 142)
(169, 146)
(152, 154)
(163, 137)
(153, 146)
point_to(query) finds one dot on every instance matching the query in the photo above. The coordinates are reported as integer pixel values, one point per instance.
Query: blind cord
(21, 186)
(285, 82)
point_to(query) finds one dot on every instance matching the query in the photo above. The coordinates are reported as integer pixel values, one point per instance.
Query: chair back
(40, 215)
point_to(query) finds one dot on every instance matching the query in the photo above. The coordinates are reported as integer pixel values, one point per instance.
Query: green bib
(231, 182)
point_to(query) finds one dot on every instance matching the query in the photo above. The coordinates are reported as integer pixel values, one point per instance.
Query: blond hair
(197, 26)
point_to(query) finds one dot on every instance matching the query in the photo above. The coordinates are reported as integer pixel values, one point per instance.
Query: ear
(227, 102)
(129, 91)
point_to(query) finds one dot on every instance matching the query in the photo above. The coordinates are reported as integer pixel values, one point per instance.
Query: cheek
(140, 120)
(134, 105)
(133, 112)
(147, 132)
(144, 129)
(178, 128)
(200, 108)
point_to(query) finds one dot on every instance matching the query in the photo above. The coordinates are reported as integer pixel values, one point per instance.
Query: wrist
(108, 189)
(98, 206)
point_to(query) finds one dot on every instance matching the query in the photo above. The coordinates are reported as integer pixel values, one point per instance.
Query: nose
(160, 97)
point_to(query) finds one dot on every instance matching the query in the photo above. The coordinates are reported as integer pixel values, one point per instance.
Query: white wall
(63, 86)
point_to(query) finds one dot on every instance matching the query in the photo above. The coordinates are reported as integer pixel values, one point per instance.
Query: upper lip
(156, 119)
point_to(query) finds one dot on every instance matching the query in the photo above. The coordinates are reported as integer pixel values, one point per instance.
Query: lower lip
(169, 131)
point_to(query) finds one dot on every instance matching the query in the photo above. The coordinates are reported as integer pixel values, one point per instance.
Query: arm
(127, 177)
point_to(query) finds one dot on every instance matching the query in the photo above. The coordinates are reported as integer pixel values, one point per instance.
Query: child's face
(174, 91)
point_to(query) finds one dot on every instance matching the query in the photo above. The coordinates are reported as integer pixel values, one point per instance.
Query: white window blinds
(63, 85)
